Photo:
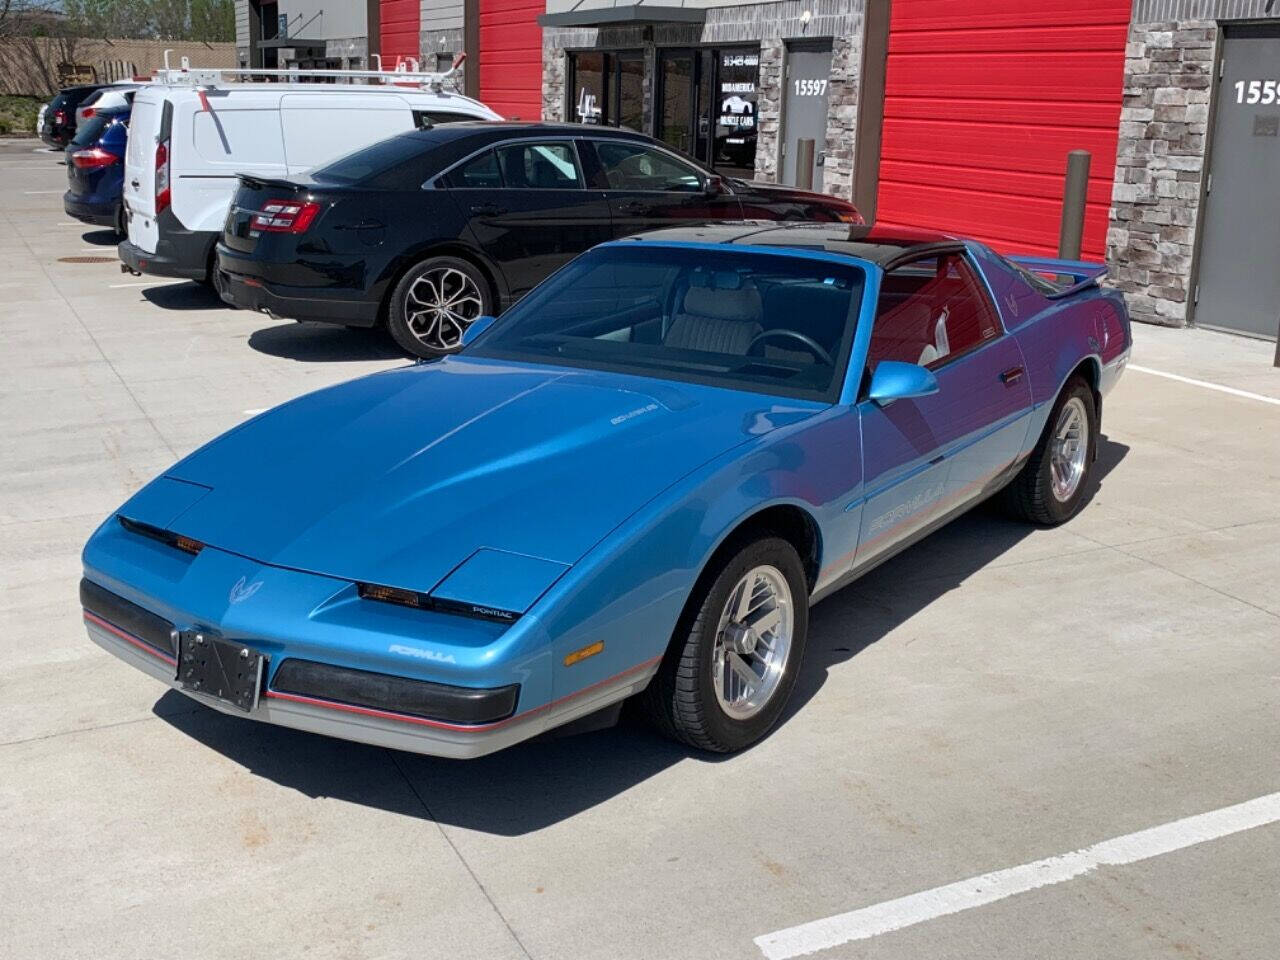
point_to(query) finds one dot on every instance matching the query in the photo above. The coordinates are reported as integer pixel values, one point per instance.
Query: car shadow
(546, 780)
(101, 238)
(184, 296)
(324, 343)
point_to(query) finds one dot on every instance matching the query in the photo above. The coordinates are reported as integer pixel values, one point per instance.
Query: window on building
(930, 310)
(606, 88)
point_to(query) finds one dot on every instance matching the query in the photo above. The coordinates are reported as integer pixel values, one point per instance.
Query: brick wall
(1160, 165)
(28, 66)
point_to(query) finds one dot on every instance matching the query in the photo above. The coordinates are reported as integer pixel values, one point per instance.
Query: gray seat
(717, 317)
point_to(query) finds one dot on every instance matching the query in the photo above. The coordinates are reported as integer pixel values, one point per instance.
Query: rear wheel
(1050, 488)
(121, 226)
(732, 664)
(434, 303)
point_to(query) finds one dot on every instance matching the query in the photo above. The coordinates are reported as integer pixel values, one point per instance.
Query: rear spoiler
(262, 183)
(1079, 274)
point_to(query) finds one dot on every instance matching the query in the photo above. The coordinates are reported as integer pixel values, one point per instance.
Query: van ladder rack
(186, 75)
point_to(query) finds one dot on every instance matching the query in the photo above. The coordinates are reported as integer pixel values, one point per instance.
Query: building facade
(307, 33)
(951, 114)
(959, 114)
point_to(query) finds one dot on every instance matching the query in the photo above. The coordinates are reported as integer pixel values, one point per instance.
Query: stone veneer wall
(1160, 165)
(769, 24)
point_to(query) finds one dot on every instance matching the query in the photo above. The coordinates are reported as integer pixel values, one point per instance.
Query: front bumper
(290, 303)
(98, 213)
(332, 704)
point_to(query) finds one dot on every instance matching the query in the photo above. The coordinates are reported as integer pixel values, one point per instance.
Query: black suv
(431, 229)
(59, 123)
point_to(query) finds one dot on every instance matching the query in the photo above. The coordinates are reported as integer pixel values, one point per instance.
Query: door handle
(635, 206)
(488, 209)
(1011, 376)
(135, 184)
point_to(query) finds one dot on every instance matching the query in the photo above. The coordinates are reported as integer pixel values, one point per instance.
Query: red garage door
(399, 32)
(983, 99)
(511, 57)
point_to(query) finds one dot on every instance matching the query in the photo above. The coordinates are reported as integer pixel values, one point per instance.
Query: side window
(930, 310)
(481, 171)
(540, 166)
(634, 166)
(426, 119)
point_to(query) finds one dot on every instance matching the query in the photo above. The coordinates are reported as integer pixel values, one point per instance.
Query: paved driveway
(996, 696)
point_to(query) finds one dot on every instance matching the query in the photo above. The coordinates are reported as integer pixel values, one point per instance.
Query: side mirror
(714, 187)
(894, 380)
(478, 326)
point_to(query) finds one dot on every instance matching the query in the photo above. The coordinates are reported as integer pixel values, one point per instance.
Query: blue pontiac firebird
(633, 484)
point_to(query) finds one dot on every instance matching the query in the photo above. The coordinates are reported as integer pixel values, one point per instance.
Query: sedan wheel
(435, 303)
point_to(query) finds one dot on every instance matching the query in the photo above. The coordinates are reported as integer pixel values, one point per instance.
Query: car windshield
(748, 319)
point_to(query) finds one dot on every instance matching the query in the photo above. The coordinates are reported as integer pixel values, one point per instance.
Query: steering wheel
(805, 340)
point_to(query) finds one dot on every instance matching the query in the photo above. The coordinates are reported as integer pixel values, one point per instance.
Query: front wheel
(1050, 488)
(732, 664)
(434, 303)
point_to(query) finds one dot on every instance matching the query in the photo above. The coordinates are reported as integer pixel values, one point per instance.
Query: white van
(187, 142)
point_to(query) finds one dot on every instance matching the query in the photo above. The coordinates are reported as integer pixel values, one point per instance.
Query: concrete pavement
(994, 696)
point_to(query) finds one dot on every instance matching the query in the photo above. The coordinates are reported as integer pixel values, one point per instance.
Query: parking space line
(143, 283)
(1206, 384)
(989, 887)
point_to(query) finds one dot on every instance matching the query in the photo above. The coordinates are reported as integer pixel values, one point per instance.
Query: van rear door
(320, 127)
(148, 126)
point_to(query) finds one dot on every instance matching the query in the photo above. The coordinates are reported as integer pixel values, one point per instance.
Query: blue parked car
(635, 483)
(95, 170)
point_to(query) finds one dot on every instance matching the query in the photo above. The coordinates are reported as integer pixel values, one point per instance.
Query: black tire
(449, 338)
(1030, 495)
(121, 225)
(681, 700)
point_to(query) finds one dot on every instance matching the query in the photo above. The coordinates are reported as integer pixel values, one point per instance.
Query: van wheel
(434, 303)
(1051, 486)
(121, 225)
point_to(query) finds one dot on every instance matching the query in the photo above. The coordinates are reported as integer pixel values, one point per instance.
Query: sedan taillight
(84, 113)
(285, 216)
(94, 158)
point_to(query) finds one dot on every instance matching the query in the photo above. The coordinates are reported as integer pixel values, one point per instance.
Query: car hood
(399, 477)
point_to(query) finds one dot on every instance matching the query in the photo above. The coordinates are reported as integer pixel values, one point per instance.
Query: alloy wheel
(440, 305)
(753, 640)
(1068, 450)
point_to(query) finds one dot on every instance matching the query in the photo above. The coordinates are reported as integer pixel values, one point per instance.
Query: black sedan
(429, 230)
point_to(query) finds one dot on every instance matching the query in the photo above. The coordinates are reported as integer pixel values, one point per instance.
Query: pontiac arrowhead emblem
(242, 591)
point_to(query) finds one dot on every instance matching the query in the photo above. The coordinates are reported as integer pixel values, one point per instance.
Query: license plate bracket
(223, 669)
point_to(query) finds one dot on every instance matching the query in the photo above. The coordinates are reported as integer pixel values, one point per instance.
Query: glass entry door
(707, 106)
(677, 99)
